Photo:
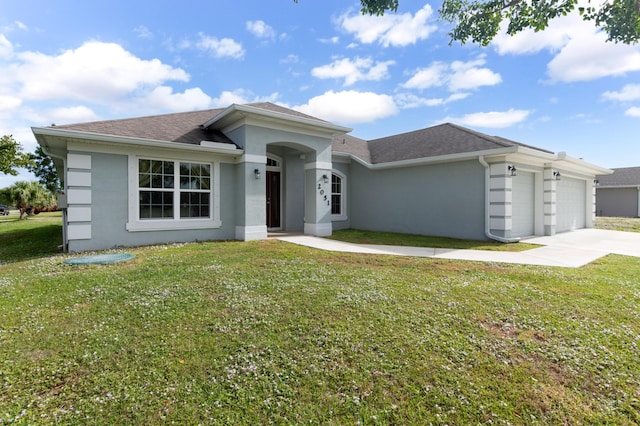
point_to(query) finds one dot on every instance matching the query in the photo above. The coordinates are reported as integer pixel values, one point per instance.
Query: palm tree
(28, 196)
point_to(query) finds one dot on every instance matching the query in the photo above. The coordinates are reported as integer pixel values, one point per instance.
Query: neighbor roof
(626, 176)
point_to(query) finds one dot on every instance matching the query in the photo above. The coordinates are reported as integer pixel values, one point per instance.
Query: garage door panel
(571, 207)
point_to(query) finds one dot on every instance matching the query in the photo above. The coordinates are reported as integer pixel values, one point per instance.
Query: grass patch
(396, 239)
(31, 238)
(628, 224)
(269, 332)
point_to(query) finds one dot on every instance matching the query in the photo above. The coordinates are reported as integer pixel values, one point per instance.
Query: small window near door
(338, 203)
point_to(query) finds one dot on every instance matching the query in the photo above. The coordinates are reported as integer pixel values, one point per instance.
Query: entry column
(317, 202)
(251, 199)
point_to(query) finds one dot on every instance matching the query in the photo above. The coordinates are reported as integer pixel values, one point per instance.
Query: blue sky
(563, 89)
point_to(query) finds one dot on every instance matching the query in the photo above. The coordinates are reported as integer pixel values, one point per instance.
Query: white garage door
(571, 204)
(523, 206)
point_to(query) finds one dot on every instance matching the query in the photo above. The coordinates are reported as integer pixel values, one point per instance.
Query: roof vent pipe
(487, 218)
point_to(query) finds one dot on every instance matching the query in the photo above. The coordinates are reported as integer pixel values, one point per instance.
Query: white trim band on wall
(254, 158)
(323, 165)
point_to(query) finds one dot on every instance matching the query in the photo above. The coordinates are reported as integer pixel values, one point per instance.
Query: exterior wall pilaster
(78, 192)
(317, 205)
(500, 200)
(251, 199)
(550, 201)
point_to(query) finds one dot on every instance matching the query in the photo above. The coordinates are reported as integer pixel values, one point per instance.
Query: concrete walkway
(570, 250)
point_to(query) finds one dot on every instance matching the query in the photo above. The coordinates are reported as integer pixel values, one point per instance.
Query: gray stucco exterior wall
(439, 200)
(109, 210)
(618, 202)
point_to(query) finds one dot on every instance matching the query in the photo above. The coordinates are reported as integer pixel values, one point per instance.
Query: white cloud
(581, 52)
(221, 48)
(630, 92)
(352, 71)
(431, 76)
(456, 76)
(468, 75)
(8, 103)
(143, 32)
(407, 100)
(389, 29)
(290, 59)
(331, 40)
(350, 107)
(494, 119)
(163, 98)
(553, 38)
(95, 72)
(72, 114)
(633, 112)
(261, 30)
(241, 96)
(6, 48)
(590, 57)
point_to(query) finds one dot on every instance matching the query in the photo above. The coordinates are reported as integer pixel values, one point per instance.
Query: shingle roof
(183, 127)
(443, 139)
(351, 145)
(627, 176)
(187, 127)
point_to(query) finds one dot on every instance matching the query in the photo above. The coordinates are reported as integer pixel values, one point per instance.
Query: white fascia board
(128, 141)
(450, 158)
(226, 118)
(573, 163)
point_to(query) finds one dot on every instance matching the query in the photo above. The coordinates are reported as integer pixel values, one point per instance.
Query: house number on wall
(323, 196)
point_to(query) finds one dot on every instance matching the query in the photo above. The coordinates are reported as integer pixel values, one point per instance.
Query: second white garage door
(571, 204)
(523, 205)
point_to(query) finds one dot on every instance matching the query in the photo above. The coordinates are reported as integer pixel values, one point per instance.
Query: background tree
(11, 156)
(480, 20)
(42, 166)
(29, 197)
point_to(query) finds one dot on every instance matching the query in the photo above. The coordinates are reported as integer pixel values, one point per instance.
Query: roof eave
(578, 163)
(41, 132)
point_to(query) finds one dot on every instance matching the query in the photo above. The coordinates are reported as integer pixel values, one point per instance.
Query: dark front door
(273, 199)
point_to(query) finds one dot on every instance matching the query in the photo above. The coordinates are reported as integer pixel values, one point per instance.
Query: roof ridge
(142, 117)
(485, 136)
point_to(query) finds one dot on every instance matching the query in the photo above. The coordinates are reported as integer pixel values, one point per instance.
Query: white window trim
(343, 198)
(135, 224)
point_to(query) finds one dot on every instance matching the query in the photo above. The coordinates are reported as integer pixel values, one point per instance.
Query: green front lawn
(394, 239)
(270, 332)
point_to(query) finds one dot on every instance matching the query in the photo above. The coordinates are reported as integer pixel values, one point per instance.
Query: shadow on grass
(29, 239)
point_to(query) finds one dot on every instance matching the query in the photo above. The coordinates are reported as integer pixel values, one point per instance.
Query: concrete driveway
(600, 240)
(570, 249)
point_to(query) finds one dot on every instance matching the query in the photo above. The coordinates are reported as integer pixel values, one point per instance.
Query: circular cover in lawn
(99, 259)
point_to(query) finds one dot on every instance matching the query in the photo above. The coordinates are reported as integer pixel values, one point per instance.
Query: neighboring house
(242, 171)
(618, 194)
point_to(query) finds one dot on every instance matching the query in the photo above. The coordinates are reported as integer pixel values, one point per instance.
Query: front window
(159, 195)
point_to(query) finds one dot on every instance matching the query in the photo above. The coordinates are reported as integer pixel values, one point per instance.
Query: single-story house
(618, 194)
(243, 171)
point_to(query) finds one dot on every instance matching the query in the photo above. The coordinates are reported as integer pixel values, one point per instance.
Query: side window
(338, 196)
